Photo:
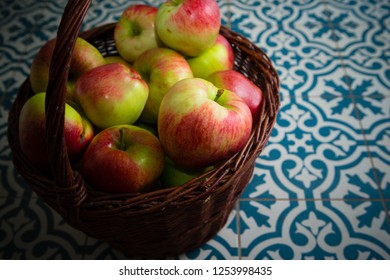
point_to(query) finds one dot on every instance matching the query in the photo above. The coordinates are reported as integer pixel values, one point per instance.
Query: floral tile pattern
(321, 187)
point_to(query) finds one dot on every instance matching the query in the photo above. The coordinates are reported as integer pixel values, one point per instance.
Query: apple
(241, 85)
(135, 31)
(217, 58)
(84, 58)
(112, 94)
(78, 132)
(123, 158)
(188, 26)
(161, 68)
(116, 58)
(173, 175)
(200, 125)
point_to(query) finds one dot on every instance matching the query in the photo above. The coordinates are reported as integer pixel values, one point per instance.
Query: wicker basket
(160, 223)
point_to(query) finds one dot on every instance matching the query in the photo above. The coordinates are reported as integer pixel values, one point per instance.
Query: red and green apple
(135, 31)
(188, 26)
(241, 85)
(78, 132)
(200, 124)
(84, 58)
(112, 94)
(219, 57)
(161, 68)
(123, 158)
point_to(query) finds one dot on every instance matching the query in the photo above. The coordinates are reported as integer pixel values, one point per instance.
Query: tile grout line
(356, 111)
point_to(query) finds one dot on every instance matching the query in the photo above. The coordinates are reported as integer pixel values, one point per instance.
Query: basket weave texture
(159, 223)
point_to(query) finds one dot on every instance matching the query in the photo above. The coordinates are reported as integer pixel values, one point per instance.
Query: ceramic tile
(321, 187)
(362, 36)
(224, 246)
(374, 115)
(11, 183)
(280, 12)
(381, 168)
(300, 47)
(32, 230)
(304, 65)
(311, 150)
(314, 230)
(98, 250)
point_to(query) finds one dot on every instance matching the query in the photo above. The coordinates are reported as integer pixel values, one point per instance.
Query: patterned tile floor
(321, 188)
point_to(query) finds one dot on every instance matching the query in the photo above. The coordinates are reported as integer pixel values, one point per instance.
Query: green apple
(188, 26)
(219, 57)
(161, 68)
(115, 59)
(112, 94)
(173, 175)
(84, 58)
(200, 124)
(78, 132)
(123, 158)
(135, 31)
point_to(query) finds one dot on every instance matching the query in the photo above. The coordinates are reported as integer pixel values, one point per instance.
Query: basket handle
(67, 33)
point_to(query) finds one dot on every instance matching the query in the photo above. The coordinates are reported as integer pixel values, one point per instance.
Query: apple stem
(219, 94)
(122, 145)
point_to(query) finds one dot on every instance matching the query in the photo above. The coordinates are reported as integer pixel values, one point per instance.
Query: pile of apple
(163, 110)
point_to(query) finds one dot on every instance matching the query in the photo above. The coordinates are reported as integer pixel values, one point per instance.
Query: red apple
(135, 31)
(112, 94)
(241, 85)
(217, 58)
(161, 68)
(78, 132)
(123, 158)
(200, 125)
(84, 58)
(188, 26)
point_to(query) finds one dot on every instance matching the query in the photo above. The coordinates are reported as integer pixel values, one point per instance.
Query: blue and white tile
(224, 246)
(281, 12)
(246, 20)
(98, 250)
(321, 188)
(381, 162)
(30, 28)
(302, 63)
(31, 230)
(313, 230)
(366, 44)
(300, 50)
(309, 148)
(375, 118)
